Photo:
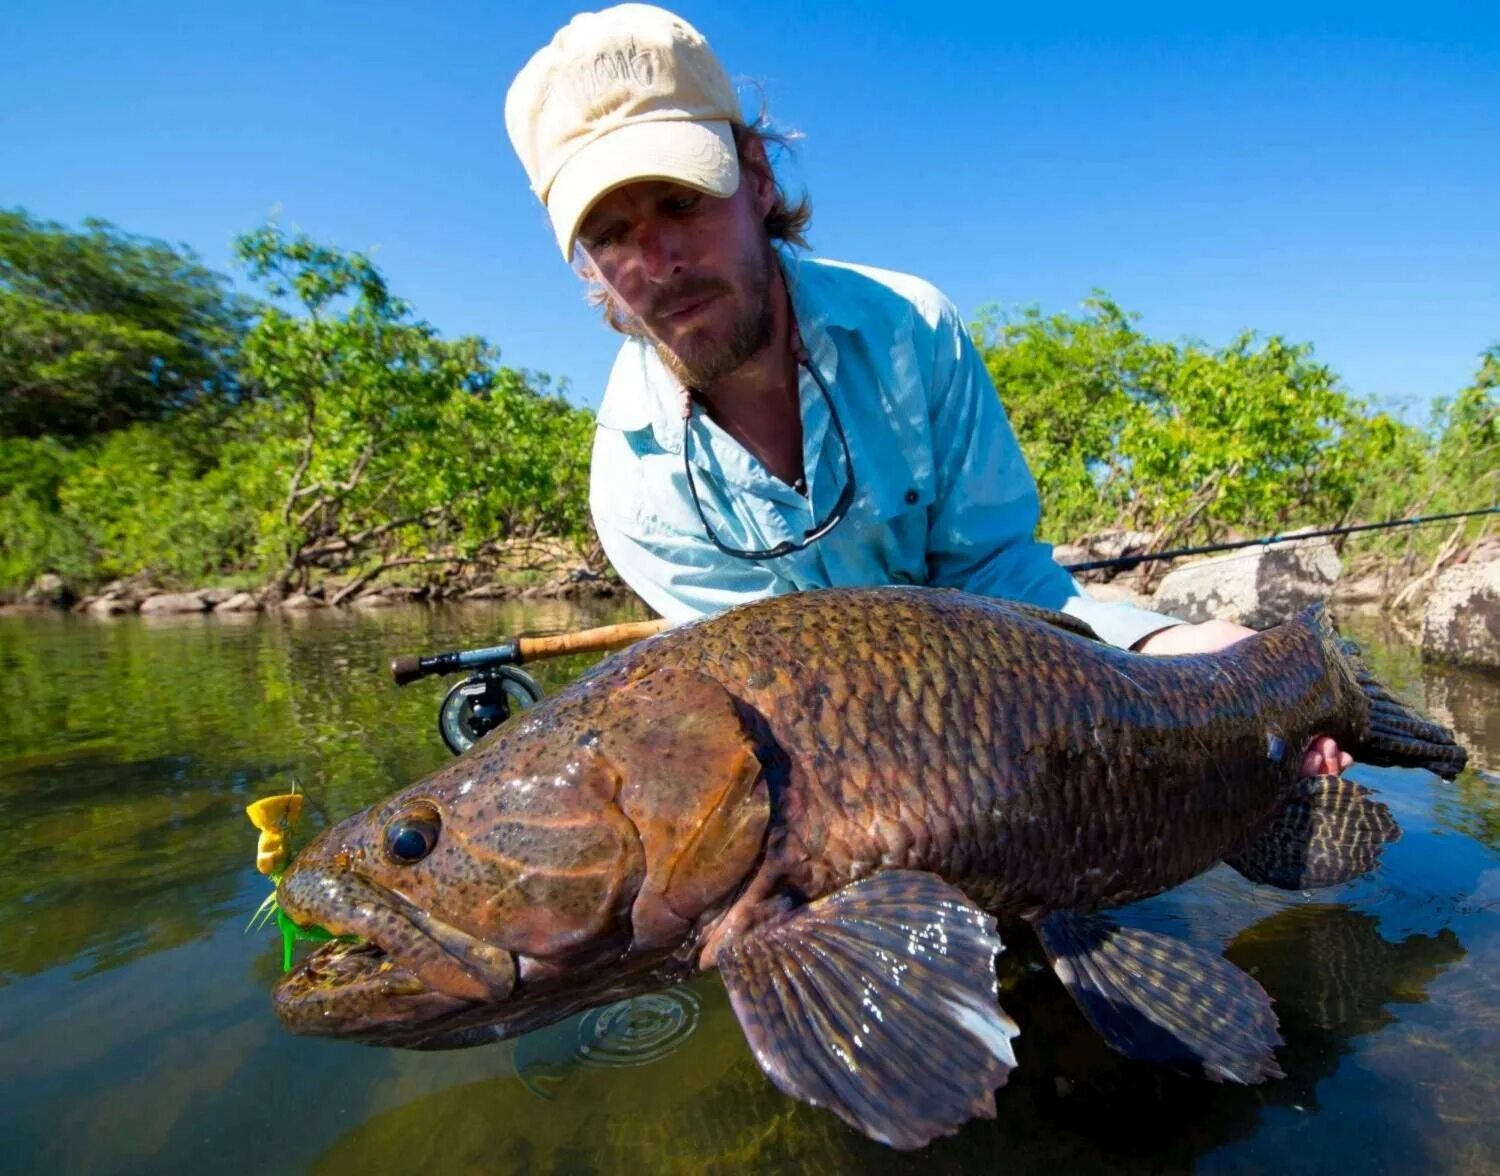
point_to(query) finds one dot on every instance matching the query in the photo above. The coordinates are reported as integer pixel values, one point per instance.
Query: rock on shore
(1259, 587)
(167, 603)
(1461, 624)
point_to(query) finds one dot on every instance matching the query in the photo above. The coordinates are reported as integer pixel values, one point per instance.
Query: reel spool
(477, 705)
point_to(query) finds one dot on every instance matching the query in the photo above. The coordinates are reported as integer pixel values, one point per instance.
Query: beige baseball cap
(629, 93)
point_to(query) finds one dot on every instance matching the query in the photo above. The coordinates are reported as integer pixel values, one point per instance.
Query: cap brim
(700, 155)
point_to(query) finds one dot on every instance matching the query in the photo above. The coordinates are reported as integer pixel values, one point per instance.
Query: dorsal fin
(1059, 620)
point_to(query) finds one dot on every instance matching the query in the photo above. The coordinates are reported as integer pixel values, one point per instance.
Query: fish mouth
(405, 972)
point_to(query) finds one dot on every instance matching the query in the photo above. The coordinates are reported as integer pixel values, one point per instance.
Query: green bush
(99, 328)
(374, 449)
(1196, 444)
(398, 449)
(35, 535)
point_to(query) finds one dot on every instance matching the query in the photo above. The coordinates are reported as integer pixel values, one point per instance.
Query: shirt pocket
(897, 514)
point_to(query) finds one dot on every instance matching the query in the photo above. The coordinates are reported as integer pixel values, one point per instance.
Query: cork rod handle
(598, 640)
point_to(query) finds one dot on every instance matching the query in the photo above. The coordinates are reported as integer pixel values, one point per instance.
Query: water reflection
(138, 1035)
(102, 854)
(128, 751)
(706, 1106)
(1469, 702)
(1334, 972)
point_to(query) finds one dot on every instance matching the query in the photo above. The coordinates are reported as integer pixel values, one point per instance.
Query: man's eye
(684, 203)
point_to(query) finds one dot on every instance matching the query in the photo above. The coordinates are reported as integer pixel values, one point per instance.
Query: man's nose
(661, 252)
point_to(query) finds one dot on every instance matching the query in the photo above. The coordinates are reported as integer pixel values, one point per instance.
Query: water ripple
(637, 1031)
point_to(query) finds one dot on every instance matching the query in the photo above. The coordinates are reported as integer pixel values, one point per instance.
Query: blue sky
(1329, 172)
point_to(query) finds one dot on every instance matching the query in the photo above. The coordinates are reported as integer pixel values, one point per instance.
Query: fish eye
(412, 836)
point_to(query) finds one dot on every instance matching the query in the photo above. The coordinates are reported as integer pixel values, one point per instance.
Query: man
(772, 423)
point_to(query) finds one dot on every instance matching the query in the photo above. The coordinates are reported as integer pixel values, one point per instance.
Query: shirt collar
(642, 394)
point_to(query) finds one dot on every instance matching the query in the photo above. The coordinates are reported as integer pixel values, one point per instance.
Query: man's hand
(1321, 757)
(1208, 637)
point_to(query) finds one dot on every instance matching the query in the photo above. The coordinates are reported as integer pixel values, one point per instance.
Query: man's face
(690, 272)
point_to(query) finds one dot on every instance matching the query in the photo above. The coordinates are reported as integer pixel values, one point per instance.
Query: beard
(700, 360)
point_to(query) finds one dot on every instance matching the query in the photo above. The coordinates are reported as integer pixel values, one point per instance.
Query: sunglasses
(809, 537)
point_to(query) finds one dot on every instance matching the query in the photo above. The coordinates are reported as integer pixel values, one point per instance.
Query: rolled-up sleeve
(982, 525)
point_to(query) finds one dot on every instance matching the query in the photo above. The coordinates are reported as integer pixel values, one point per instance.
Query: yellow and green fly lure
(275, 817)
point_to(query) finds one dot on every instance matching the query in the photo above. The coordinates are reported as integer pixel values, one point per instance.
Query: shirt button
(911, 498)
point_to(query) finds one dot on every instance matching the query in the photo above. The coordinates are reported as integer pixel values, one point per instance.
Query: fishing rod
(495, 686)
(1126, 562)
(524, 649)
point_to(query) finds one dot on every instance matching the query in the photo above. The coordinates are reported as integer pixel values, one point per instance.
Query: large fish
(831, 797)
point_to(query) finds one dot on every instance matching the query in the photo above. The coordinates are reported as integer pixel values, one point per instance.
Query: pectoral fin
(879, 1003)
(1157, 999)
(1327, 832)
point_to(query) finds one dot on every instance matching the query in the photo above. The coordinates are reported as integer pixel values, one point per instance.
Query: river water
(136, 1031)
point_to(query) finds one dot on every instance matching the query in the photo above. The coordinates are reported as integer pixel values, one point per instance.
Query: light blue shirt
(943, 495)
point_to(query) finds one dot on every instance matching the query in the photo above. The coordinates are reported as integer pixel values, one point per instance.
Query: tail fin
(1398, 735)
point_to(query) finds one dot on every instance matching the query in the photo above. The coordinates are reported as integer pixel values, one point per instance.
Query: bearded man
(773, 422)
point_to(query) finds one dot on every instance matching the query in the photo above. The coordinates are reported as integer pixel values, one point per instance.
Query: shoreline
(1451, 612)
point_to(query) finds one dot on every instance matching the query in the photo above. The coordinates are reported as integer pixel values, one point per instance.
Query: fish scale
(1019, 696)
(830, 797)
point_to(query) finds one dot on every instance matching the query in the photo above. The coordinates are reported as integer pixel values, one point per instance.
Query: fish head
(573, 858)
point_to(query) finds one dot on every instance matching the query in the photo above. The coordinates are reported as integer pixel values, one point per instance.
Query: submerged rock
(1462, 622)
(490, 591)
(131, 589)
(1259, 587)
(1363, 593)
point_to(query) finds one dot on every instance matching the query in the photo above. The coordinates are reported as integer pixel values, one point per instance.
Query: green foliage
(1453, 466)
(162, 500)
(35, 536)
(156, 498)
(1066, 387)
(1196, 443)
(1469, 429)
(100, 328)
(374, 447)
(400, 449)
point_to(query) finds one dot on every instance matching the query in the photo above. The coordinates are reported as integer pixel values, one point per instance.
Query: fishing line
(1130, 561)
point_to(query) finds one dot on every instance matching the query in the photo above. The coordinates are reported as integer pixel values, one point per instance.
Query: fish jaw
(409, 971)
(393, 989)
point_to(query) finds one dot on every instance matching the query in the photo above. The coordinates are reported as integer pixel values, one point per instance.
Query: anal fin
(1156, 999)
(878, 1002)
(1328, 831)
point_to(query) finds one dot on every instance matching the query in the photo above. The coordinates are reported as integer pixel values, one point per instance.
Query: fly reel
(475, 706)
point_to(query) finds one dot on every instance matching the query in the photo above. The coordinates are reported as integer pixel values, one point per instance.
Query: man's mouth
(684, 309)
